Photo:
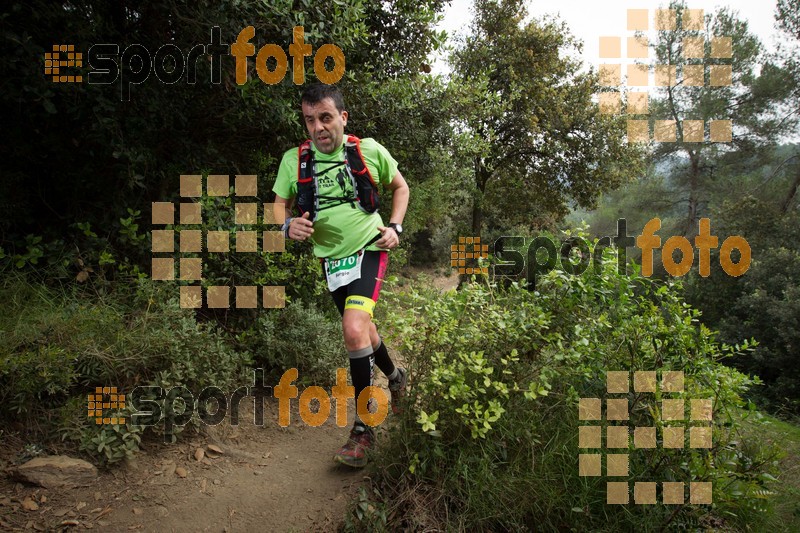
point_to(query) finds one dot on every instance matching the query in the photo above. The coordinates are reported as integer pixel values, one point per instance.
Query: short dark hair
(317, 92)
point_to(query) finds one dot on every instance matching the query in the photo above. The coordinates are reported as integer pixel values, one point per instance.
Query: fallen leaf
(138, 510)
(82, 276)
(60, 512)
(215, 449)
(43, 499)
(181, 471)
(203, 485)
(198, 454)
(70, 523)
(29, 505)
(103, 513)
(98, 496)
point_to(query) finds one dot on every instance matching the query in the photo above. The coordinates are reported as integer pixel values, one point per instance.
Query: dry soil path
(267, 478)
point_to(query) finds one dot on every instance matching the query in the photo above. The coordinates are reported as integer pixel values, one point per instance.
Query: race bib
(340, 272)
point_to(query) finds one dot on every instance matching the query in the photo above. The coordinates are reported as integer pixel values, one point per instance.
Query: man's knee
(374, 338)
(356, 330)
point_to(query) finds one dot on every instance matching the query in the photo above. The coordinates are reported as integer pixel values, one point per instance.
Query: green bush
(300, 336)
(59, 346)
(763, 303)
(492, 439)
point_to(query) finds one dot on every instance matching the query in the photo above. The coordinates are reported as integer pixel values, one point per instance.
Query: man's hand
(300, 228)
(389, 238)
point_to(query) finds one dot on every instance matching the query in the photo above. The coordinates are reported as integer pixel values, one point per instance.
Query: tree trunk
(481, 179)
(694, 175)
(792, 191)
(477, 216)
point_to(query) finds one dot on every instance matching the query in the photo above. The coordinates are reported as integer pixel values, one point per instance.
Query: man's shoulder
(291, 153)
(368, 144)
(288, 165)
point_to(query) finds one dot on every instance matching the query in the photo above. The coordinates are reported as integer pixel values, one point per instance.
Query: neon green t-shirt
(343, 229)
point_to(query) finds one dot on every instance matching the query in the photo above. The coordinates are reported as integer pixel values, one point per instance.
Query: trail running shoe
(398, 390)
(354, 452)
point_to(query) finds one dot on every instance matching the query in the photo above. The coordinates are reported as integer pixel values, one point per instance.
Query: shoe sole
(349, 461)
(397, 409)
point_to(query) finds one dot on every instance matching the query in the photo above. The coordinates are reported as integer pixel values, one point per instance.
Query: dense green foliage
(747, 187)
(507, 143)
(530, 131)
(78, 153)
(762, 304)
(58, 346)
(492, 440)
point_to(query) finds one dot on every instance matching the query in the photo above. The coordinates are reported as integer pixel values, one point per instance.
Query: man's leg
(381, 354)
(355, 325)
(365, 348)
(356, 328)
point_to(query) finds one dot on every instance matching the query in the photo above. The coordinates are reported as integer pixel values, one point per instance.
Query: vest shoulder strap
(355, 159)
(365, 189)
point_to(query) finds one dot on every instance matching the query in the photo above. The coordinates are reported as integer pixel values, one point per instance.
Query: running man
(332, 179)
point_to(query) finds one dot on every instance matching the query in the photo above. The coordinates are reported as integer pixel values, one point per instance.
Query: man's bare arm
(300, 228)
(400, 195)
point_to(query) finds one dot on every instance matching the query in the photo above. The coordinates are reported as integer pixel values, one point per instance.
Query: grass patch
(771, 431)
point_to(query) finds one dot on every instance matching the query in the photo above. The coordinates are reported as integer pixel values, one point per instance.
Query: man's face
(325, 125)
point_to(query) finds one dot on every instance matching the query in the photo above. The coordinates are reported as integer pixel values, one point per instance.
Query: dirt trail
(268, 478)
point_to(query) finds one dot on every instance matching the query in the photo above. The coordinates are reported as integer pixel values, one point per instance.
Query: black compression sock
(383, 360)
(361, 375)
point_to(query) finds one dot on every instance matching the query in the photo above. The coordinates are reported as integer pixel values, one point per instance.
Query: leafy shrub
(763, 303)
(300, 336)
(60, 346)
(497, 376)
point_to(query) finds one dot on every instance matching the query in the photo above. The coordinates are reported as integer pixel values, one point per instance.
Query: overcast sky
(588, 20)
